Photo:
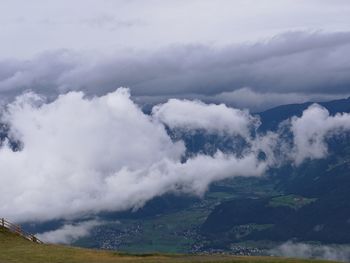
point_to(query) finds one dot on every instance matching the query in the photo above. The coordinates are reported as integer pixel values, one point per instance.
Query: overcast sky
(254, 54)
(31, 27)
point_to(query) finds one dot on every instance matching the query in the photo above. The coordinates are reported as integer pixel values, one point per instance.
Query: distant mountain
(4, 135)
(313, 204)
(271, 118)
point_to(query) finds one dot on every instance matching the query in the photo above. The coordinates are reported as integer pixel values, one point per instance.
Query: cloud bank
(82, 156)
(79, 156)
(292, 67)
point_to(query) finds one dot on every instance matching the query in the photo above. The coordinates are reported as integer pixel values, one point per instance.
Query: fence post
(18, 229)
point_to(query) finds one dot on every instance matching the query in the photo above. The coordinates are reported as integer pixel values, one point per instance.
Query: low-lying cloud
(81, 156)
(69, 232)
(304, 250)
(313, 128)
(211, 118)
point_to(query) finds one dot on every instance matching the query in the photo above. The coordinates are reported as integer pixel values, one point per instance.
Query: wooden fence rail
(17, 229)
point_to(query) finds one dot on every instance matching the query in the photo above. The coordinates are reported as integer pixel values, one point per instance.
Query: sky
(31, 27)
(248, 54)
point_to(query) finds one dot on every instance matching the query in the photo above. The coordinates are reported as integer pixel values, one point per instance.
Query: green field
(173, 231)
(14, 248)
(292, 201)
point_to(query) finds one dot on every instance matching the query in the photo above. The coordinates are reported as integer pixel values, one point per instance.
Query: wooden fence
(19, 231)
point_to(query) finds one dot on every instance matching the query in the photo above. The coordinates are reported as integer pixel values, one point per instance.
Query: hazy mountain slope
(271, 118)
(313, 205)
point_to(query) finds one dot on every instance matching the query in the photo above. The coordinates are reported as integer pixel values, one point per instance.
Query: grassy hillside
(16, 249)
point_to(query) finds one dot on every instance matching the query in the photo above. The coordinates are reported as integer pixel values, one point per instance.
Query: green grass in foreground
(16, 249)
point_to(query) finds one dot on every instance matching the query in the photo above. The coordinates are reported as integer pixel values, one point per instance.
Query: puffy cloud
(303, 250)
(298, 64)
(311, 130)
(212, 118)
(82, 156)
(69, 233)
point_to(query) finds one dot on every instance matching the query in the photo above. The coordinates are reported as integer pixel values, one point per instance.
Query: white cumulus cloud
(81, 156)
(212, 118)
(312, 129)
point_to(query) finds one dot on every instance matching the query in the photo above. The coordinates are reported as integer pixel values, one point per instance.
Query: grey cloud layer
(300, 65)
